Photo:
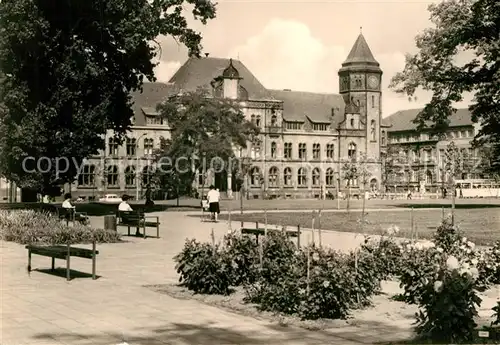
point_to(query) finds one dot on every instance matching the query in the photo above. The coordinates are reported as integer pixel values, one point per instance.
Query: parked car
(110, 199)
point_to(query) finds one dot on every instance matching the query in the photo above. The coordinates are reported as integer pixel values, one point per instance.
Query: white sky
(300, 45)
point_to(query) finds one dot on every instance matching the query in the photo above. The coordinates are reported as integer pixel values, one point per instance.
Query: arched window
(287, 177)
(382, 140)
(130, 175)
(273, 177)
(254, 176)
(316, 177)
(351, 151)
(373, 133)
(302, 177)
(274, 120)
(112, 175)
(352, 122)
(257, 121)
(86, 176)
(148, 146)
(274, 149)
(373, 184)
(330, 179)
(147, 175)
(252, 118)
(428, 177)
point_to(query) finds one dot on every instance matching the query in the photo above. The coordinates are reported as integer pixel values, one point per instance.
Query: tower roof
(231, 72)
(360, 52)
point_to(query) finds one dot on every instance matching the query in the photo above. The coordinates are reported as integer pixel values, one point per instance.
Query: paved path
(41, 308)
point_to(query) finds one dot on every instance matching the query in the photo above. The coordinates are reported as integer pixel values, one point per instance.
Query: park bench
(64, 252)
(69, 214)
(261, 232)
(137, 219)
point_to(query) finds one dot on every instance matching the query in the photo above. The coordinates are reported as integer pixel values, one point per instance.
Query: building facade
(305, 137)
(422, 154)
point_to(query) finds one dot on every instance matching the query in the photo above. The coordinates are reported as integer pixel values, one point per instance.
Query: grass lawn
(481, 226)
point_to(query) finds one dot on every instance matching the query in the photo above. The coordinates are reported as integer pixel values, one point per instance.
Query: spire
(360, 53)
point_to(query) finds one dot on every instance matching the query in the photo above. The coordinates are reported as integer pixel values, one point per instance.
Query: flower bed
(28, 227)
(442, 278)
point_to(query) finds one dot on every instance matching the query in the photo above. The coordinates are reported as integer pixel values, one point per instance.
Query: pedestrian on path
(213, 197)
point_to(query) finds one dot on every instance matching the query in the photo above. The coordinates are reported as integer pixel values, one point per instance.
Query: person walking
(213, 197)
(149, 201)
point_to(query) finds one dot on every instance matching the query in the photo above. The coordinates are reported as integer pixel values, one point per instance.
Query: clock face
(373, 81)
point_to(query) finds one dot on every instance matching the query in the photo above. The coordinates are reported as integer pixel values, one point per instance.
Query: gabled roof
(317, 107)
(200, 72)
(403, 119)
(360, 52)
(144, 103)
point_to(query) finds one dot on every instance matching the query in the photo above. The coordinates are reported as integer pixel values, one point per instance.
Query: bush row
(28, 227)
(442, 277)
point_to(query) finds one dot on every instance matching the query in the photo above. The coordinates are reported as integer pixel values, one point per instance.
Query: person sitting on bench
(124, 206)
(68, 206)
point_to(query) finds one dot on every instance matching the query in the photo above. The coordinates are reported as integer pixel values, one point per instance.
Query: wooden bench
(261, 232)
(137, 219)
(69, 214)
(64, 252)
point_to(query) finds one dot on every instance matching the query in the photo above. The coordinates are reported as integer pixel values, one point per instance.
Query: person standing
(149, 201)
(213, 197)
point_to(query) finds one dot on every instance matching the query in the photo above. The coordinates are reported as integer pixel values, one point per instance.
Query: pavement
(43, 308)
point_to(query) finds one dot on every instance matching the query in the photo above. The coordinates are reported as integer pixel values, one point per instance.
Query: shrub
(448, 304)
(204, 268)
(496, 315)
(387, 256)
(331, 288)
(278, 256)
(365, 271)
(244, 252)
(489, 266)
(447, 235)
(28, 227)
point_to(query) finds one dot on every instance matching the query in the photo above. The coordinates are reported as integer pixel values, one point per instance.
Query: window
(273, 177)
(293, 125)
(287, 177)
(288, 150)
(373, 133)
(302, 151)
(373, 101)
(352, 122)
(320, 126)
(302, 177)
(274, 120)
(130, 175)
(330, 151)
(113, 146)
(257, 121)
(470, 133)
(155, 120)
(274, 149)
(86, 176)
(330, 177)
(316, 177)
(254, 176)
(316, 151)
(131, 146)
(252, 118)
(351, 151)
(147, 175)
(373, 184)
(382, 140)
(112, 176)
(148, 146)
(428, 177)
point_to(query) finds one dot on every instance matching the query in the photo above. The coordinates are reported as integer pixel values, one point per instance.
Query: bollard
(110, 222)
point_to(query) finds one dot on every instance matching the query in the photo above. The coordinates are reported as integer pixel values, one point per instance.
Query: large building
(422, 163)
(305, 137)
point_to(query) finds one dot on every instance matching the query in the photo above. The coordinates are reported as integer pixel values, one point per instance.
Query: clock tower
(360, 78)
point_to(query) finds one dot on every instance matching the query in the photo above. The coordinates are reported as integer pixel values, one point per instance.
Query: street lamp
(137, 166)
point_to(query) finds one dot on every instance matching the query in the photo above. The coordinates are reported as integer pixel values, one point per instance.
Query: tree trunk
(454, 189)
(348, 197)
(363, 211)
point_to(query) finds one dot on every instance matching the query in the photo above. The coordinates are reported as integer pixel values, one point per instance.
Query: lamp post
(137, 166)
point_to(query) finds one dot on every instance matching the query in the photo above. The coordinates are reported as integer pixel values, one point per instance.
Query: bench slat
(61, 252)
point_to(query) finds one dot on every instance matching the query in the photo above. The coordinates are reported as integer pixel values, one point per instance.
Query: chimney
(207, 54)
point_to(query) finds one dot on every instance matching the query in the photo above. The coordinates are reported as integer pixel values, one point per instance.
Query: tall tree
(67, 71)
(461, 28)
(205, 134)
(455, 164)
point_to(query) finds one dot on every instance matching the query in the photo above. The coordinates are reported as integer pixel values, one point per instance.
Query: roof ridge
(309, 92)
